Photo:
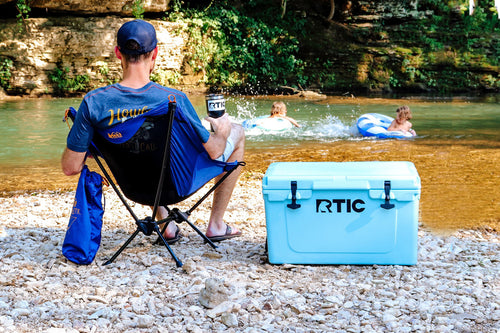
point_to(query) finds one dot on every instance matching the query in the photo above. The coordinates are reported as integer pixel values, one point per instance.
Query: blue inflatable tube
(267, 124)
(375, 124)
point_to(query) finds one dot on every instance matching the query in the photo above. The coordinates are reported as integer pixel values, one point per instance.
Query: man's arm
(72, 162)
(216, 143)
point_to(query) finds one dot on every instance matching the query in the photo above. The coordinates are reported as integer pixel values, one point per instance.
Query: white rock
(221, 308)
(229, 319)
(19, 312)
(145, 321)
(451, 289)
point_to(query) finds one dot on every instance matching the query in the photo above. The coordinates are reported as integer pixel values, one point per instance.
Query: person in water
(278, 110)
(401, 123)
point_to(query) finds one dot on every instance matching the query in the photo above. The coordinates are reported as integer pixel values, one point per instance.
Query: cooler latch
(387, 188)
(293, 188)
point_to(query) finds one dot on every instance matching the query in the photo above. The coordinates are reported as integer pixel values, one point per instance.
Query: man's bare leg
(161, 214)
(222, 195)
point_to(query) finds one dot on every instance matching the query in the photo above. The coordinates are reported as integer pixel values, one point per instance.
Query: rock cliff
(70, 43)
(78, 46)
(98, 7)
(95, 7)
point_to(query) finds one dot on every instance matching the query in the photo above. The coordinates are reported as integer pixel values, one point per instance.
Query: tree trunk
(332, 10)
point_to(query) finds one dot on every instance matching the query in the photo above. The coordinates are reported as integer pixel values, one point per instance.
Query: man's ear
(118, 53)
(155, 53)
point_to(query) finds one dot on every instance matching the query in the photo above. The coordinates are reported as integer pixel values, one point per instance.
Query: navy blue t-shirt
(106, 106)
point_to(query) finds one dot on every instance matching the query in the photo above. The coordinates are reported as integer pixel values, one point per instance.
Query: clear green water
(33, 130)
(457, 151)
(335, 119)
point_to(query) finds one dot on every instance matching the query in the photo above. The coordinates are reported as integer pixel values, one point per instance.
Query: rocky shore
(455, 286)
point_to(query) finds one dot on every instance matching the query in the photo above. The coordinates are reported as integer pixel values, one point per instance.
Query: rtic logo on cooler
(339, 206)
(217, 105)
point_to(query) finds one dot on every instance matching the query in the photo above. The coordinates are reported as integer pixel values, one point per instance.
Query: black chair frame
(149, 225)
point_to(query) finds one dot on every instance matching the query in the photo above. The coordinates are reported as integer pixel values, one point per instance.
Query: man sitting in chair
(136, 48)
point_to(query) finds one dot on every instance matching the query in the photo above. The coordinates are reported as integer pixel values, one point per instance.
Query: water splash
(329, 128)
(245, 108)
(334, 127)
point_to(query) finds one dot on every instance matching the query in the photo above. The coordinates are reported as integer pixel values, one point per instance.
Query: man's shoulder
(100, 90)
(169, 90)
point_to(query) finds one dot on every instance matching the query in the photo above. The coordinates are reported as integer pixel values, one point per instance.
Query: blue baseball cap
(142, 32)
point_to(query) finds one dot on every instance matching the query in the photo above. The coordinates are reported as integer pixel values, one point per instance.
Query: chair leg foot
(178, 263)
(107, 263)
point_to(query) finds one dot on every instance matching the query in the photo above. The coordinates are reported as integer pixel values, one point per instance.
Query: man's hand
(221, 126)
(217, 141)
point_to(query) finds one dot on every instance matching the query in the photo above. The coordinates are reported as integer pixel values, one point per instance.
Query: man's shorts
(227, 151)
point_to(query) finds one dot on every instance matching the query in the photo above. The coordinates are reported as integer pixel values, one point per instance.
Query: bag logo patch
(114, 135)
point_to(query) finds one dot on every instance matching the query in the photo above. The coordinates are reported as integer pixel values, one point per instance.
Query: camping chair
(157, 159)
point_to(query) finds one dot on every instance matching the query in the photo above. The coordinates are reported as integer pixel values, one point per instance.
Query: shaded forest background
(280, 46)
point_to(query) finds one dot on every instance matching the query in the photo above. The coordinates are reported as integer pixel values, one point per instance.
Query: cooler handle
(387, 188)
(293, 188)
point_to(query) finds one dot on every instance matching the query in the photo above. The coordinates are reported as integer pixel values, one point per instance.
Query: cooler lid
(342, 175)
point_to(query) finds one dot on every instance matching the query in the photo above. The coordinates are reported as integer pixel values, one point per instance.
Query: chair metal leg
(180, 216)
(117, 253)
(207, 240)
(154, 227)
(178, 263)
(148, 225)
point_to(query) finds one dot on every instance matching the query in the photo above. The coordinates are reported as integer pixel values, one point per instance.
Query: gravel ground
(455, 286)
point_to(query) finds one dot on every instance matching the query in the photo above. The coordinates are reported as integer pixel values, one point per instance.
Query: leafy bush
(138, 9)
(65, 85)
(234, 48)
(165, 77)
(5, 74)
(23, 10)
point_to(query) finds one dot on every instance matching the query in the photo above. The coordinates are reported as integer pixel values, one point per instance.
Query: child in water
(278, 110)
(401, 122)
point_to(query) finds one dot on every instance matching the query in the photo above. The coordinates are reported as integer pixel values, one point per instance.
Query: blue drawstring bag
(83, 235)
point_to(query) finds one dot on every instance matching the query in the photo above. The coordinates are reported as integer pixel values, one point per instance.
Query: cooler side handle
(387, 189)
(293, 188)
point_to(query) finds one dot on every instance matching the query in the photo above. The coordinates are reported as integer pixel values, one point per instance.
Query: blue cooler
(342, 212)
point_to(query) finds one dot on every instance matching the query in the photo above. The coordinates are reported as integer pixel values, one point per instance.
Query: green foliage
(446, 45)
(234, 48)
(250, 44)
(165, 77)
(324, 77)
(66, 85)
(490, 82)
(176, 5)
(103, 74)
(5, 74)
(23, 9)
(138, 9)
(394, 82)
(462, 29)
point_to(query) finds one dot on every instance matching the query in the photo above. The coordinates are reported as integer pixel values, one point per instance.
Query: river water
(457, 151)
